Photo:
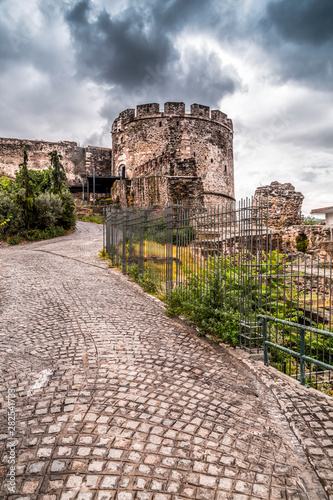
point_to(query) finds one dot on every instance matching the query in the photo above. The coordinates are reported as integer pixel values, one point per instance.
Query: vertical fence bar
(302, 354)
(264, 338)
(124, 243)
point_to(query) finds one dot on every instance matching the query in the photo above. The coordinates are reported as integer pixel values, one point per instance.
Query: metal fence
(180, 247)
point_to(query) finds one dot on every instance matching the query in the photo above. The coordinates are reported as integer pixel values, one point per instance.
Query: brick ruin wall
(206, 136)
(77, 161)
(159, 182)
(284, 206)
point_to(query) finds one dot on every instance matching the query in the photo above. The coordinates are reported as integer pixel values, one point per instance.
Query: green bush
(49, 210)
(10, 213)
(68, 217)
(202, 306)
(144, 279)
(37, 235)
(37, 204)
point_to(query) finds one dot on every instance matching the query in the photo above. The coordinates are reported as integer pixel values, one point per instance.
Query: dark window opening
(225, 168)
(122, 172)
(177, 123)
(122, 140)
(193, 154)
(211, 160)
(205, 157)
(160, 124)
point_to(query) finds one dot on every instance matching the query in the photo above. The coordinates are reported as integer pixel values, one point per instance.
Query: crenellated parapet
(152, 110)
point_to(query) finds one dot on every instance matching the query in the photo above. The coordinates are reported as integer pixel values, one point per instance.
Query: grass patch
(98, 219)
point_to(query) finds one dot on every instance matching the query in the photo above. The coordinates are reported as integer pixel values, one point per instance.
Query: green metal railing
(300, 354)
(194, 247)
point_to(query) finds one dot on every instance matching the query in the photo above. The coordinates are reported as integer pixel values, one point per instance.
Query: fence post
(264, 337)
(124, 241)
(169, 250)
(108, 230)
(142, 220)
(302, 354)
(103, 230)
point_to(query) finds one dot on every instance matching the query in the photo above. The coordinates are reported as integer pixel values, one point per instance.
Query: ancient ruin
(156, 157)
(78, 161)
(283, 215)
(172, 155)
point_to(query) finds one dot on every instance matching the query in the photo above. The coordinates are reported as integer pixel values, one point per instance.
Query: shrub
(68, 218)
(49, 210)
(10, 213)
(201, 305)
(144, 279)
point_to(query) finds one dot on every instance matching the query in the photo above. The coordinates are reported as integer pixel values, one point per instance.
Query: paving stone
(134, 406)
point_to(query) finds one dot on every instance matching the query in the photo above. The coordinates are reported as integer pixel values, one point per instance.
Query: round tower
(206, 136)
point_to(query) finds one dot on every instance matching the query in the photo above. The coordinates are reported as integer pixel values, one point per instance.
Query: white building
(327, 211)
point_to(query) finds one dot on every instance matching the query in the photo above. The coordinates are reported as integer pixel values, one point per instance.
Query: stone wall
(76, 160)
(99, 159)
(203, 135)
(317, 237)
(284, 204)
(161, 181)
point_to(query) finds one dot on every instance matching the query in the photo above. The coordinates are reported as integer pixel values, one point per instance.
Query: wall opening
(122, 171)
(302, 243)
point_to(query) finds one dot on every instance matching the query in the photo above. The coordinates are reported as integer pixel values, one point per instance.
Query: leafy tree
(58, 172)
(68, 218)
(42, 181)
(25, 190)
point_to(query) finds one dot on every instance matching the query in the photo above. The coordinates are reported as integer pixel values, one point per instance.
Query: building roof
(325, 210)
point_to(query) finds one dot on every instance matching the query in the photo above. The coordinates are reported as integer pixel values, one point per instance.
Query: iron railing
(259, 273)
(303, 348)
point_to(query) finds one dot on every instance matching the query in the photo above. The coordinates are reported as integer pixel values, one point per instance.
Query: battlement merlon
(200, 110)
(152, 110)
(147, 109)
(174, 108)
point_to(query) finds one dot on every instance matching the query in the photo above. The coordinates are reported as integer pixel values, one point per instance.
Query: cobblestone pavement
(115, 400)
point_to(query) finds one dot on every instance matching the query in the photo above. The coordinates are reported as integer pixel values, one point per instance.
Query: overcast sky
(68, 68)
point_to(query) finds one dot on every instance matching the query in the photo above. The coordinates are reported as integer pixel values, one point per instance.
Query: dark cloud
(134, 52)
(117, 50)
(303, 21)
(299, 38)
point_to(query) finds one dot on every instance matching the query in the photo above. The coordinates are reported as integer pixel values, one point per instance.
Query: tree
(25, 194)
(58, 172)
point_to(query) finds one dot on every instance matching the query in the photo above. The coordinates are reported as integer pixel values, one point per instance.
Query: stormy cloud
(68, 67)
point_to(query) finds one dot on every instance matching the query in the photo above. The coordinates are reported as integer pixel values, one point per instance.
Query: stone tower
(204, 135)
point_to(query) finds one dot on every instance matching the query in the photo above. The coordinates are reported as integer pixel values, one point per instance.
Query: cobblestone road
(115, 400)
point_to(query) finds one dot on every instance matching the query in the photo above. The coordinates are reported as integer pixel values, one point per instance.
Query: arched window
(122, 171)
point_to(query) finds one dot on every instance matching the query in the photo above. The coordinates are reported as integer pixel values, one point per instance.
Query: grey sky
(68, 68)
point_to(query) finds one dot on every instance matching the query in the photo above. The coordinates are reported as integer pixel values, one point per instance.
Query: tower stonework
(203, 135)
